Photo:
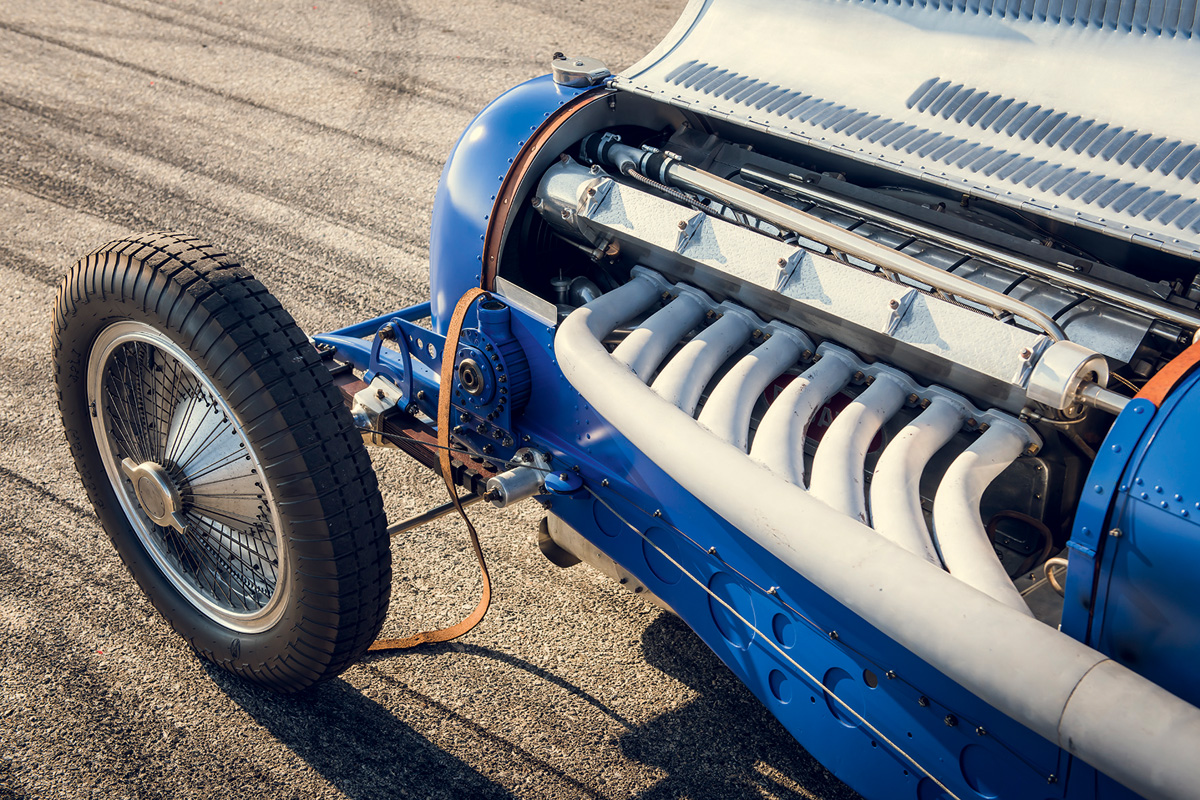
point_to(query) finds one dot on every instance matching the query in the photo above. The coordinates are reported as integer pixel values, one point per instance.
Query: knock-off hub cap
(156, 493)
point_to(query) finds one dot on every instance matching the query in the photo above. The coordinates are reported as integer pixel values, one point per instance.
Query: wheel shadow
(724, 744)
(356, 744)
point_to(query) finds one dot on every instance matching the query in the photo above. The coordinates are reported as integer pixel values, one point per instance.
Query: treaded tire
(321, 525)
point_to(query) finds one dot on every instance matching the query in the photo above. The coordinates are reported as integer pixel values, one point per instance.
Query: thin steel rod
(1142, 304)
(431, 515)
(844, 241)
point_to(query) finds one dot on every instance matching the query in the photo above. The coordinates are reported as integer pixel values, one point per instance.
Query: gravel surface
(308, 138)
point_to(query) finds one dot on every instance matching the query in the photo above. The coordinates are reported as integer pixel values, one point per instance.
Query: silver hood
(1086, 111)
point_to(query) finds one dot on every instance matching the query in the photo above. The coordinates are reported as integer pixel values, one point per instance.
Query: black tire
(174, 365)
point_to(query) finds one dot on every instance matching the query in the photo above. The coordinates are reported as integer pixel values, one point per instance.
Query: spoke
(181, 394)
(159, 409)
(220, 429)
(220, 464)
(253, 583)
(119, 411)
(217, 515)
(178, 447)
(127, 383)
(142, 359)
(166, 392)
(253, 536)
(214, 578)
(223, 495)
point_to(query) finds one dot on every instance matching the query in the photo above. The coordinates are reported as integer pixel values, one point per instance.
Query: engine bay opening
(955, 364)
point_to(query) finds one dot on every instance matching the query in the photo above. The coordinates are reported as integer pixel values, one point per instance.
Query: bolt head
(893, 304)
(683, 225)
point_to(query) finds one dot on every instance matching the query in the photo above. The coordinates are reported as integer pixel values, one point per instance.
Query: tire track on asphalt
(223, 95)
(362, 287)
(513, 57)
(30, 268)
(425, 90)
(410, 243)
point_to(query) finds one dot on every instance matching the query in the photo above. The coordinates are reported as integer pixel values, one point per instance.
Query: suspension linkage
(435, 513)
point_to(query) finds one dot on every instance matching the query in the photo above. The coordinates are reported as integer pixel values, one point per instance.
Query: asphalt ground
(307, 137)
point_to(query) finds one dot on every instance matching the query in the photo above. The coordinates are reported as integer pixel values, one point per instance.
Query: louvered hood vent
(1086, 111)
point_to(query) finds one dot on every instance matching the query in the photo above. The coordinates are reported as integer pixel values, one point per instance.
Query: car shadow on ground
(358, 745)
(723, 744)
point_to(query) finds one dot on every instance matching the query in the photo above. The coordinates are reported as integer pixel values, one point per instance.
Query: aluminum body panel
(1010, 101)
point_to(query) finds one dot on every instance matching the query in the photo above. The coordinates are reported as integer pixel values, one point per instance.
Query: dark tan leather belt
(443, 439)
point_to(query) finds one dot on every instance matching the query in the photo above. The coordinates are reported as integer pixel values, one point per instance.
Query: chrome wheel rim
(186, 477)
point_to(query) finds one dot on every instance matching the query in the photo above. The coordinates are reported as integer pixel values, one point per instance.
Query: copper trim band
(1166, 379)
(498, 220)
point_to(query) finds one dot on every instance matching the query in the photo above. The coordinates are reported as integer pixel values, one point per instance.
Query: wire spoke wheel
(221, 460)
(220, 545)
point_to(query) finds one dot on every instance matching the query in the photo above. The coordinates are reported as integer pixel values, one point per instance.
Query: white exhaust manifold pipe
(896, 511)
(779, 444)
(837, 478)
(1109, 716)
